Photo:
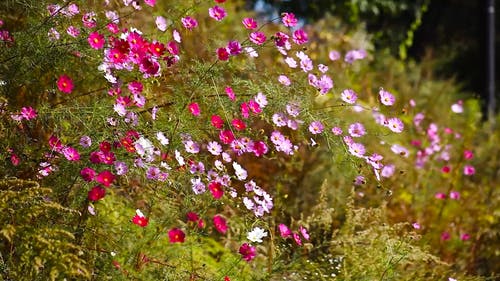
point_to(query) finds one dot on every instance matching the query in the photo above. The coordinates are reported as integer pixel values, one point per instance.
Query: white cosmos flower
(256, 235)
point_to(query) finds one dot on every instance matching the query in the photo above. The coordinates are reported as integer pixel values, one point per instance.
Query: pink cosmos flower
(230, 93)
(71, 153)
(249, 23)
(468, 154)
(139, 219)
(217, 121)
(337, 131)
(73, 31)
(386, 98)
(238, 124)
(440, 196)
(464, 236)
(189, 22)
(194, 108)
(334, 55)
(223, 54)
(356, 149)
(247, 251)
(220, 1)
(354, 55)
(284, 80)
(446, 169)
(416, 225)
(349, 96)
(395, 125)
(113, 27)
(226, 136)
(469, 170)
(161, 23)
(105, 178)
(297, 239)
(289, 19)
(445, 236)
(65, 84)
(96, 40)
(216, 189)
(217, 13)
(357, 130)
(299, 37)
(220, 224)
(285, 232)
(88, 174)
(176, 235)
(258, 37)
(304, 233)
(259, 148)
(28, 113)
(151, 3)
(96, 193)
(234, 47)
(89, 20)
(455, 195)
(316, 127)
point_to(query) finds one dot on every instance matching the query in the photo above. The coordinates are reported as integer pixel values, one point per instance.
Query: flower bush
(190, 141)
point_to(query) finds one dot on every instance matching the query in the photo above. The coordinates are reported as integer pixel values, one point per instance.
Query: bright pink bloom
(65, 84)
(88, 174)
(189, 22)
(139, 219)
(304, 233)
(297, 239)
(455, 195)
(464, 237)
(258, 37)
(299, 37)
(96, 193)
(220, 1)
(234, 48)
(238, 124)
(173, 48)
(469, 170)
(113, 27)
(176, 235)
(446, 169)
(249, 23)
(247, 251)
(445, 236)
(395, 125)
(259, 148)
(316, 127)
(216, 189)
(157, 49)
(71, 153)
(14, 159)
(285, 232)
(96, 40)
(220, 224)
(468, 154)
(217, 121)
(194, 108)
(217, 13)
(289, 20)
(28, 113)
(226, 136)
(440, 196)
(223, 54)
(105, 178)
(386, 98)
(151, 3)
(230, 93)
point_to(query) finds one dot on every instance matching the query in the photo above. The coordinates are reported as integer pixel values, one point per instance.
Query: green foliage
(35, 244)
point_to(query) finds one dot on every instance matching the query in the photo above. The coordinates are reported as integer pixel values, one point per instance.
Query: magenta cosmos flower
(217, 13)
(220, 224)
(189, 22)
(258, 37)
(247, 251)
(300, 37)
(96, 40)
(249, 23)
(176, 235)
(65, 84)
(289, 20)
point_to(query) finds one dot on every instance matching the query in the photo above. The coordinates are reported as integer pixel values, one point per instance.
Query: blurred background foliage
(357, 232)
